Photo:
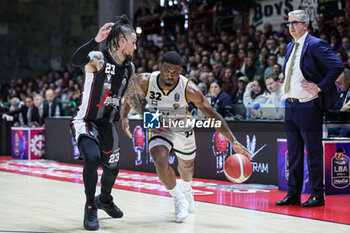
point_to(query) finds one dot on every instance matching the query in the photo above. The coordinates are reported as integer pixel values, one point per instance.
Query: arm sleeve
(81, 55)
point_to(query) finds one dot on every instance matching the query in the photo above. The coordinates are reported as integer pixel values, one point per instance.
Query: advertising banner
(283, 168)
(28, 143)
(275, 12)
(212, 150)
(336, 167)
(337, 178)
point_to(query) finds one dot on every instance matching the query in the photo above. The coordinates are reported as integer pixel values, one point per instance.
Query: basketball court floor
(47, 196)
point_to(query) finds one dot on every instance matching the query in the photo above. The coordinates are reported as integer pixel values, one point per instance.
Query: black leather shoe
(289, 200)
(313, 202)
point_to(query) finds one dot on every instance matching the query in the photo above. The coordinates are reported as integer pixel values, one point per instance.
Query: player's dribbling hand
(125, 125)
(103, 32)
(240, 149)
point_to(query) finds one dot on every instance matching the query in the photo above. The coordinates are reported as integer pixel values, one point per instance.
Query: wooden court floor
(36, 204)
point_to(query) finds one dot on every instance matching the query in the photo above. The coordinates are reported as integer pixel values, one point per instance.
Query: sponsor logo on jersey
(176, 106)
(107, 86)
(154, 102)
(177, 96)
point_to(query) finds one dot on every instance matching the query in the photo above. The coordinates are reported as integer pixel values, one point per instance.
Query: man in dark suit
(28, 113)
(310, 71)
(53, 107)
(39, 104)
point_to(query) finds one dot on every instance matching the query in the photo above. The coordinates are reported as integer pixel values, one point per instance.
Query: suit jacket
(55, 103)
(23, 110)
(319, 65)
(44, 115)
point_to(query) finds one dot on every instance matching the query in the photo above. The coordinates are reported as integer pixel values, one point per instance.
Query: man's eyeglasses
(294, 23)
(339, 82)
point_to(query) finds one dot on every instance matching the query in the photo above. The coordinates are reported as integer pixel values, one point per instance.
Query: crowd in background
(236, 69)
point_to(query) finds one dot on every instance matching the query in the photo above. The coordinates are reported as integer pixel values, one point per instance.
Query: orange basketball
(238, 168)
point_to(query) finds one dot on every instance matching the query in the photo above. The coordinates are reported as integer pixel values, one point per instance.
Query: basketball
(238, 168)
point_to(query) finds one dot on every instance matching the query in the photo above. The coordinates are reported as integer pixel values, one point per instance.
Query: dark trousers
(92, 159)
(303, 124)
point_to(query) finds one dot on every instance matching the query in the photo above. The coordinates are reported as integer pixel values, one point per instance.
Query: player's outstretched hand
(125, 125)
(103, 32)
(240, 149)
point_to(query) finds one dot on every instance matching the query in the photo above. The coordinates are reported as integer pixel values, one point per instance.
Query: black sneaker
(110, 208)
(90, 217)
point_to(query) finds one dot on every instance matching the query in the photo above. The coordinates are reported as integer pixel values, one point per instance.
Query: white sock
(176, 191)
(186, 185)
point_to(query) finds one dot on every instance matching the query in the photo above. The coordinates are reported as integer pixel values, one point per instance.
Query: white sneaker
(181, 206)
(190, 199)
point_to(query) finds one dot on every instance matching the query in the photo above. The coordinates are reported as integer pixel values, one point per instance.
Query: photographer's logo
(151, 120)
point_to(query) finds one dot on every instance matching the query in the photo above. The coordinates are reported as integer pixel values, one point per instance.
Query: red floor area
(211, 191)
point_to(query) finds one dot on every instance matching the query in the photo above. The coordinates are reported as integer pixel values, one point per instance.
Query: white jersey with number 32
(172, 104)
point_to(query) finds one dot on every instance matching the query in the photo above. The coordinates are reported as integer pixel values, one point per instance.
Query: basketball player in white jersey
(169, 92)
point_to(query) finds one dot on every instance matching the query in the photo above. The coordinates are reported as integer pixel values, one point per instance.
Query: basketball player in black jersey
(93, 125)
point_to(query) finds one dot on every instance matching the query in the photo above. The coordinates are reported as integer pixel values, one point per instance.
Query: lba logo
(151, 120)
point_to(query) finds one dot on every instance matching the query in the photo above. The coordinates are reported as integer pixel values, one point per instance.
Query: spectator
(281, 54)
(343, 83)
(272, 46)
(276, 69)
(261, 64)
(335, 41)
(255, 93)
(281, 78)
(272, 61)
(53, 106)
(3, 107)
(28, 112)
(203, 87)
(15, 114)
(241, 56)
(230, 82)
(342, 29)
(242, 83)
(273, 108)
(268, 31)
(323, 28)
(218, 71)
(39, 103)
(219, 99)
(250, 69)
(346, 46)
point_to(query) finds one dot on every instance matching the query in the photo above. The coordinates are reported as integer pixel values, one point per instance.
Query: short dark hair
(172, 58)
(218, 82)
(273, 76)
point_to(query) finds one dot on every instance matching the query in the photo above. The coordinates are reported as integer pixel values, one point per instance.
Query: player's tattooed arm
(136, 92)
(96, 62)
(134, 98)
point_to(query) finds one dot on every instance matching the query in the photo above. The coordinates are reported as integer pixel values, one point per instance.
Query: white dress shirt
(296, 90)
